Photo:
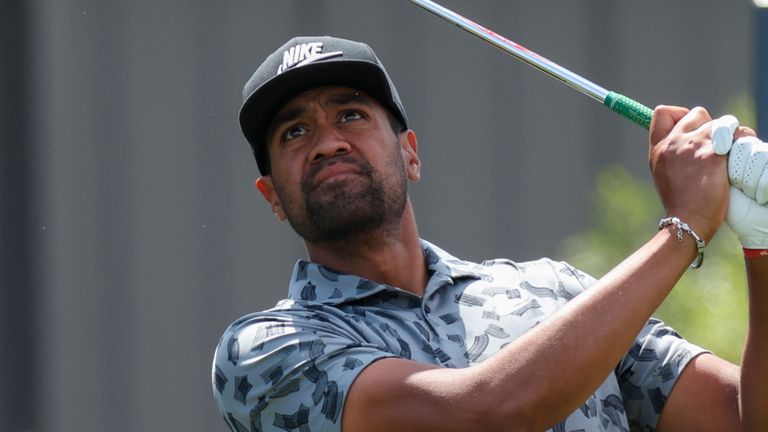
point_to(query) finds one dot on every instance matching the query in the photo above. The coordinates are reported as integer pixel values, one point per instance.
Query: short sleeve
(277, 371)
(649, 371)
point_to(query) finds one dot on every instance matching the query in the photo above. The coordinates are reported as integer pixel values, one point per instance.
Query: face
(338, 170)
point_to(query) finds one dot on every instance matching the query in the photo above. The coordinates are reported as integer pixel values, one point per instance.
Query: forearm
(753, 391)
(580, 346)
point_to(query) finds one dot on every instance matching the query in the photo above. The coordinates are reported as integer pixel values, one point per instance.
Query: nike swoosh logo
(318, 57)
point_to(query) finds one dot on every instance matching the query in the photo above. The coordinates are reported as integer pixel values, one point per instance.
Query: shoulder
(281, 318)
(544, 272)
(288, 322)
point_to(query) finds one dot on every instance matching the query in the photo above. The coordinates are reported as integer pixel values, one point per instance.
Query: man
(383, 331)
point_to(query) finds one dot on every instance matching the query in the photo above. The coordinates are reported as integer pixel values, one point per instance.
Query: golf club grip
(629, 108)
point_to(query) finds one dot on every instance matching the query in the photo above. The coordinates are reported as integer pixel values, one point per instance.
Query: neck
(391, 255)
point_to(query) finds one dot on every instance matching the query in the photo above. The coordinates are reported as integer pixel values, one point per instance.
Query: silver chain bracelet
(681, 228)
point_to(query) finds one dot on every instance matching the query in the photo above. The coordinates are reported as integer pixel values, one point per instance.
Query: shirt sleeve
(277, 371)
(649, 371)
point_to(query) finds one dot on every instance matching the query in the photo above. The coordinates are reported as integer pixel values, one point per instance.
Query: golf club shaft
(620, 104)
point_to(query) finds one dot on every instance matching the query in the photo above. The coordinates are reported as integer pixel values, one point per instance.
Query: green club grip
(629, 108)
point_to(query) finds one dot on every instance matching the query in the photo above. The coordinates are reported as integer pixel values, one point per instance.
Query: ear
(410, 146)
(267, 189)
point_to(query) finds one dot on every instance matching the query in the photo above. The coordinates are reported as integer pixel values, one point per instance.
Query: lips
(334, 171)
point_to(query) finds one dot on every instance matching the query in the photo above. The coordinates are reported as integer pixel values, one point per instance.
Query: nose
(329, 142)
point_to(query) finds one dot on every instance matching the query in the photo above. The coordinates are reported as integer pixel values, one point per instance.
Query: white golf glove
(747, 161)
(748, 219)
(748, 168)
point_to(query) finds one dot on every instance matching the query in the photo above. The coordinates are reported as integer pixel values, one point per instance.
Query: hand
(690, 178)
(748, 219)
(748, 161)
(748, 168)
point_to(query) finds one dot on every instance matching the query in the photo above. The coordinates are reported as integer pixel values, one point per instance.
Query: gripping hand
(748, 219)
(748, 168)
(747, 161)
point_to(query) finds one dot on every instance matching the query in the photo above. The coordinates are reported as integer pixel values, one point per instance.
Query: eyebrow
(285, 117)
(335, 99)
(346, 98)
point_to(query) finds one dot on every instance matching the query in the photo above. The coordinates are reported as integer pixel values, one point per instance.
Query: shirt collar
(319, 284)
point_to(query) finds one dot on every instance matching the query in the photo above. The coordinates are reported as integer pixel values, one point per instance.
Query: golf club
(620, 104)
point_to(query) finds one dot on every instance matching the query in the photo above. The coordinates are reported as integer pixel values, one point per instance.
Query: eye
(293, 132)
(350, 115)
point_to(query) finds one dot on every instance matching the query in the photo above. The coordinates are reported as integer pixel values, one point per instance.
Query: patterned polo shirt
(290, 368)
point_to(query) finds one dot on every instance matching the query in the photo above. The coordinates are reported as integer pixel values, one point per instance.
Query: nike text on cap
(302, 64)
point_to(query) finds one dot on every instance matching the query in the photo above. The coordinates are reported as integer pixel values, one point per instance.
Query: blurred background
(131, 234)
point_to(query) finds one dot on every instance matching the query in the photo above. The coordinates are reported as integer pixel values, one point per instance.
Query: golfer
(384, 331)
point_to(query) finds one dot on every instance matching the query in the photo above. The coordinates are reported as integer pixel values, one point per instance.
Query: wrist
(705, 228)
(682, 230)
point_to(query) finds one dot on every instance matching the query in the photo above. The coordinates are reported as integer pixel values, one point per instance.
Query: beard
(349, 209)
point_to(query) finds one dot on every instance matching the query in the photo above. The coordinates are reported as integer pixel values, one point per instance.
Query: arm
(754, 368)
(547, 373)
(749, 220)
